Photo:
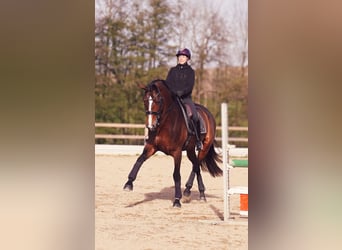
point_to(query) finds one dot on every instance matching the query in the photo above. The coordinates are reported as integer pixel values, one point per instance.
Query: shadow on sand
(167, 194)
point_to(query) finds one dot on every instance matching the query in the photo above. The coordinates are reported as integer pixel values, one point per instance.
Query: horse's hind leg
(201, 187)
(188, 186)
(195, 171)
(134, 172)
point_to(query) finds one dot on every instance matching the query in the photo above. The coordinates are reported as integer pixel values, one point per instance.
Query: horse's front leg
(147, 152)
(177, 179)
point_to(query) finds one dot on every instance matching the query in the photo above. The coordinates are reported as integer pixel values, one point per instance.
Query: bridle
(153, 99)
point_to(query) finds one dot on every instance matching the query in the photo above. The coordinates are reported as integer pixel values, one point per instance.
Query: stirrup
(199, 145)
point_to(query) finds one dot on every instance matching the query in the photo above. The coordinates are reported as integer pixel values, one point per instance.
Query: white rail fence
(142, 127)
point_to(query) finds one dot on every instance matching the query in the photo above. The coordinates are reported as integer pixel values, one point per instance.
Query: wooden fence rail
(142, 126)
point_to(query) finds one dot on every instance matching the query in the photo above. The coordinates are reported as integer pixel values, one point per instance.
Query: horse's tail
(209, 163)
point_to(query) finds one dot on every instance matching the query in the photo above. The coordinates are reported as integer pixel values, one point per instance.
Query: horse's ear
(140, 85)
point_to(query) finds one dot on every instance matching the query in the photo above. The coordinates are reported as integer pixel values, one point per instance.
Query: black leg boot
(197, 130)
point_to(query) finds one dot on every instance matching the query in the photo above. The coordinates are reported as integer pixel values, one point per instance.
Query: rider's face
(182, 59)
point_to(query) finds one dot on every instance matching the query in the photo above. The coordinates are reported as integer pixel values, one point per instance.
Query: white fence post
(224, 121)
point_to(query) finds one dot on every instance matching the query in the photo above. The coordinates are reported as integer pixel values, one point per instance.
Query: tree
(208, 39)
(136, 41)
(130, 49)
(239, 25)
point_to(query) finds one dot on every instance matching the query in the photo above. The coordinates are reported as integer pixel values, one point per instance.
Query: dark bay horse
(168, 133)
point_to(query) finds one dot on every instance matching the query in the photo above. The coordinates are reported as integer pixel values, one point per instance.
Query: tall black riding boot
(197, 130)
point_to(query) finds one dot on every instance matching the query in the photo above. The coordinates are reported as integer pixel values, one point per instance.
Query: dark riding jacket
(181, 80)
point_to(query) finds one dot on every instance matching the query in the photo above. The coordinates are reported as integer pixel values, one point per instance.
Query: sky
(225, 6)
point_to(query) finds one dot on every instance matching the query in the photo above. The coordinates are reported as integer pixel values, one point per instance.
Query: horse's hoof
(202, 197)
(177, 203)
(128, 187)
(187, 192)
(186, 199)
(186, 195)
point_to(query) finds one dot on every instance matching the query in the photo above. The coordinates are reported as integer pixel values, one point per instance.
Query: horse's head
(153, 102)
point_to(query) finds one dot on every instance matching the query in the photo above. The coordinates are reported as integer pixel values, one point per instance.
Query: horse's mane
(157, 80)
(154, 83)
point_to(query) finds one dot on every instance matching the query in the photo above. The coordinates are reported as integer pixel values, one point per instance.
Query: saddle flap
(186, 111)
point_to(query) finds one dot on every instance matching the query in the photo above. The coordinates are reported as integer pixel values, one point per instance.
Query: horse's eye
(157, 98)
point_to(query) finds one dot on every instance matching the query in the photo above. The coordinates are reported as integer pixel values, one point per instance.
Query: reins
(161, 102)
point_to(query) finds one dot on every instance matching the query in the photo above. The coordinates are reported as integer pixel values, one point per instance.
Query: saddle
(185, 111)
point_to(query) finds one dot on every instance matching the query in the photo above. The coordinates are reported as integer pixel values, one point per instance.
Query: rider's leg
(197, 129)
(195, 122)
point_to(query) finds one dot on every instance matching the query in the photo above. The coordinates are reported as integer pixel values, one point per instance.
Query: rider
(181, 80)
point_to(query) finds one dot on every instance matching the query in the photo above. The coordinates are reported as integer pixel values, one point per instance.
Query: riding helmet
(186, 52)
